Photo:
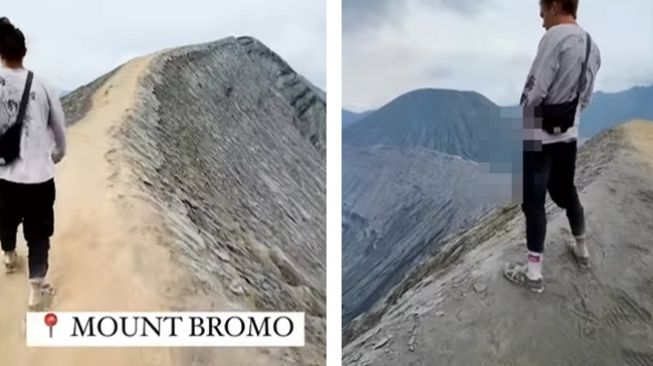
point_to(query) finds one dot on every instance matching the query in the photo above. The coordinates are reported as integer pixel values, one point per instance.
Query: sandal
(516, 274)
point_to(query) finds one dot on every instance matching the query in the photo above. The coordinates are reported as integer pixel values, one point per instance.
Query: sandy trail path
(105, 254)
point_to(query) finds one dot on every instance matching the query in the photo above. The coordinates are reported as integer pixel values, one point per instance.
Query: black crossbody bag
(10, 141)
(558, 118)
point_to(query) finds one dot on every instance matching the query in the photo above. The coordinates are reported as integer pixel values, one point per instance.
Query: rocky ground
(455, 308)
(230, 142)
(396, 203)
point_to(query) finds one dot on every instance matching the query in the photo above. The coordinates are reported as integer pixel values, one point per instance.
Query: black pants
(550, 168)
(33, 206)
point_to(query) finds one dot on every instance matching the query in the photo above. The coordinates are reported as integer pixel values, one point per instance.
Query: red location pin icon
(50, 321)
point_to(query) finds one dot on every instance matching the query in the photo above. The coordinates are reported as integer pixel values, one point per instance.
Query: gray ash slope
(455, 308)
(411, 176)
(396, 203)
(229, 142)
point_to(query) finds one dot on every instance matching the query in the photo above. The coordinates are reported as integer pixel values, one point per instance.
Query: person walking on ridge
(32, 141)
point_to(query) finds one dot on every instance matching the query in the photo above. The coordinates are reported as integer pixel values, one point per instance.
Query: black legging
(553, 169)
(33, 206)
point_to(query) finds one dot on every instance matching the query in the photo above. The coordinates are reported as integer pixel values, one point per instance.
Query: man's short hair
(568, 6)
(12, 41)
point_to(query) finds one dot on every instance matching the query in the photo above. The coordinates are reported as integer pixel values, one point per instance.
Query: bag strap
(25, 99)
(582, 79)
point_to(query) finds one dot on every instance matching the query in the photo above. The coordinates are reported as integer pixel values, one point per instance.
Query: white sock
(34, 294)
(35, 285)
(10, 257)
(534, 265)
(37, 282)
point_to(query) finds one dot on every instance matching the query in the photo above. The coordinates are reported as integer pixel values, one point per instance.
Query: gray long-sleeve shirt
(43, 127)
(554, 76)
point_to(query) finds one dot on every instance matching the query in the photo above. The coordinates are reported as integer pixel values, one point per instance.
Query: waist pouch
(557, 118)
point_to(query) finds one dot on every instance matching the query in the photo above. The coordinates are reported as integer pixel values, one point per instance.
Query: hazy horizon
(500, 105)
(73, 42)
(392, 47)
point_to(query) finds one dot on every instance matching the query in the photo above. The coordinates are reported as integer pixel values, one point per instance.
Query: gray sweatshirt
(553, 78)
(43, 136)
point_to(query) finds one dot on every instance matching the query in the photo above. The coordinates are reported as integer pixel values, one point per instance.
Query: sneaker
(516, 274)
(581, 256)
(40, 295)
(11, 262)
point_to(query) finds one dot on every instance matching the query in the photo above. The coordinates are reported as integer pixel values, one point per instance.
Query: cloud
(360, 13)
(481, 45)
(73, 41)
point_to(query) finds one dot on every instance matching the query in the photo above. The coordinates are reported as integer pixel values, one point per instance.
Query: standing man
(559, 86)
(32, 141)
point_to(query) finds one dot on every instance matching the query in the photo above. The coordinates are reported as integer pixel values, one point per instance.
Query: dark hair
(568, 6)
(12, 41)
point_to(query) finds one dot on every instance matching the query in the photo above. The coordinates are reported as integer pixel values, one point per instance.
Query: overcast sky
(394, 46)
(72, 42)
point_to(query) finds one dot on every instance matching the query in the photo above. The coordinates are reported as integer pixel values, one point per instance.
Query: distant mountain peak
(450, 121)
